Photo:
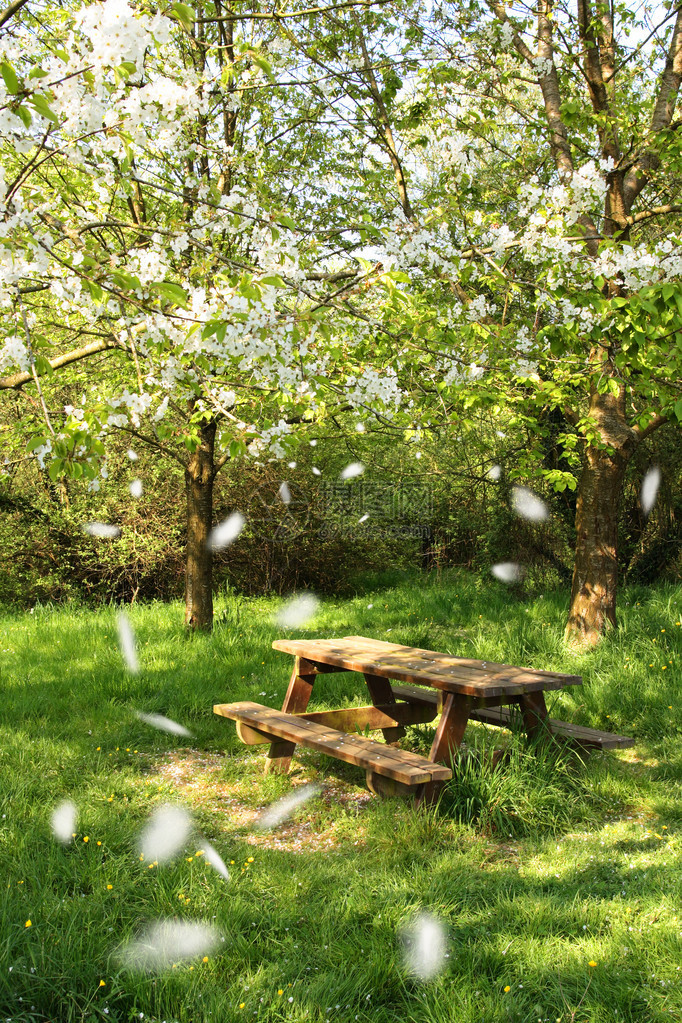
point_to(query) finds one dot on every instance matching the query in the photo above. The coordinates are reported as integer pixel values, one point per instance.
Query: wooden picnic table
(407, 685)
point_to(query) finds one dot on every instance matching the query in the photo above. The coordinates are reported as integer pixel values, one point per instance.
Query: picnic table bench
(407, 686)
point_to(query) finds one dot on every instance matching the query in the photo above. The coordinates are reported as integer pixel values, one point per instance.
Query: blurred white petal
(495, 472)
(126, 639)
(166, 942)
(164, 724)
(135, 488)
(226, 532)
(507, 571)
(528, 505)
(297, 611)
(424, 943)
(354, 469)
(650, 485)
(165, 834)
(215, 860)
(316, 471)
(102, 529)
(64, 817)
(363, 518)
(132, 455)
(284, 493)
(283, 808)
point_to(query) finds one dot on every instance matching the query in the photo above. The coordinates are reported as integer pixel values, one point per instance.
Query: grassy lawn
(536, 870)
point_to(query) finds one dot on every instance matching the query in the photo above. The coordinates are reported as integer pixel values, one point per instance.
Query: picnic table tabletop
(462, 675)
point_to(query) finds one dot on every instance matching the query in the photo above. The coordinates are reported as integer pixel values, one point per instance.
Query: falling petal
(495, 472)
(165, 834)
(528, 505)
(360, 427)
(424, 944)
(226, 532)
(363, 518)
(126, 640)
(650, 485)
(135, 488)
(283, 808)
(316, 471)
(500, 434)
(507, 571)
(297, 611)
(284, 493)
(164, 724)
(64, 817)
(352, 470)
(132, 455)
(102, 529)
(166, 942)
(215, 860)
(292, 465)
(313, 443)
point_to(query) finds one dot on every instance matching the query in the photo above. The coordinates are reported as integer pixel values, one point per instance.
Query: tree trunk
(595, 573)
(199, 477)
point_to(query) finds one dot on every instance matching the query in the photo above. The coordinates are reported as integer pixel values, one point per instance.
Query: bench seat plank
(401, 765)
(590, 738)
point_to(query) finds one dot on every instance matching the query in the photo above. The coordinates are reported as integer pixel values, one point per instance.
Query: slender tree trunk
(595, 573)
(199, 478)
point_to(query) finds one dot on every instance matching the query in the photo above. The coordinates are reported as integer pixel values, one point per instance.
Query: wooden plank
(449, 734)
(580, 734)
(346, 720)
(535, 717)
(402, 765)
(279, 756)
(381, 693)
(427, 667)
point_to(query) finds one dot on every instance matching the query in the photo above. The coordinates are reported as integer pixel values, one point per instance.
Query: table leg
(382, 695)
(449, 735)
(279, 755)
(535, 716)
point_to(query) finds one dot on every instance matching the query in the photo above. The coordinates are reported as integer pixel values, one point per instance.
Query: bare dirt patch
(198, 777)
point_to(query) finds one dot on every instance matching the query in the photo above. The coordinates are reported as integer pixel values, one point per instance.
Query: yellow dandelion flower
(28, 924)
(591, 963)
(102, 983)
(205, 959)
(250, 859)
(507, 989)
(98, 748)
(86, 838)
(280, 991)
(99, 843)
(242, 1004)
(109, 887)
(189, 859)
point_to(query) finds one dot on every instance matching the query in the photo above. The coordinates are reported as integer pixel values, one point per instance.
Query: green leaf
(36, 442)
(678, 409)
(10, 77)
(173, 292)
(25, 115)
(263, 64)
(55, 469)
(286, 222)
(40, 103)
(184, 14)
(274, 280)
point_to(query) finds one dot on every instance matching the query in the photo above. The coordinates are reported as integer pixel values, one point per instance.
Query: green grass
(536, 869)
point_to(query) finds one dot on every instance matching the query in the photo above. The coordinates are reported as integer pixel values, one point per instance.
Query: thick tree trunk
(595, 573)
(199, 477)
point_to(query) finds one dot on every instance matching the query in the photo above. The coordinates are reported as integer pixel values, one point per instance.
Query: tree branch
(17, 380)
(671, 77)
